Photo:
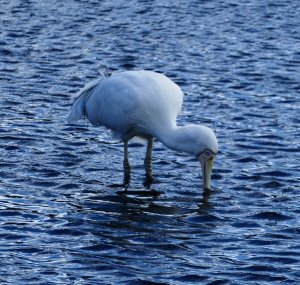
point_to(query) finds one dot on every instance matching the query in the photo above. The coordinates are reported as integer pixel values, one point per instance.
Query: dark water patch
(98, 248)
(219, 282)
(263, 242)
(68, 186)
(45, 184)
(273, 184)
(277, 260)
(26, 250)
(65, 232)
(13, 237)
(264, 278)
(275, 173)
(12, 148)
(191, 278)
(291, 231)
(10, 213)
(145, 282)
(250, 177)
(270, 215)
(261, 268)
(246, 224)
(279, 237)
(247, 160)
(203, 219)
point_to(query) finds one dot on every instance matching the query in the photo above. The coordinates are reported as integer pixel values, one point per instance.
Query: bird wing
(78, 109)
(130, 103)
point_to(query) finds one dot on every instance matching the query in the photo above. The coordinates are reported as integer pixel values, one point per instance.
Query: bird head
(205, 148)
(197, 140)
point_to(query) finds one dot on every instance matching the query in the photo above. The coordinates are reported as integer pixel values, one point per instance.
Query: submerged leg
(126, 164)
(148, 162)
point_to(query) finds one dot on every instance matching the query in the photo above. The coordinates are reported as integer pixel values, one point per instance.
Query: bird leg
(126, 164)
(148, 162)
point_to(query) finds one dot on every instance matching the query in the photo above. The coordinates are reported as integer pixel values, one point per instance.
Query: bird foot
(149, 179)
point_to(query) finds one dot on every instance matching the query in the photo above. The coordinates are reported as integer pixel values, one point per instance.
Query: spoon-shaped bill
(206, 165)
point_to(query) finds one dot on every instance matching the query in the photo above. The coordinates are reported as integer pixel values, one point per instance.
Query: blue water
(61, 222)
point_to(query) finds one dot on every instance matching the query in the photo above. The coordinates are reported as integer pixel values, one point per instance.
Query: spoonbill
(144, 104)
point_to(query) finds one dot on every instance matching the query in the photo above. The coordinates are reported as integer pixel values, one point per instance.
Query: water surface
(61, 222)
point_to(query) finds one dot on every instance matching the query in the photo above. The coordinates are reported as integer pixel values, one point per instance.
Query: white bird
(144, 104)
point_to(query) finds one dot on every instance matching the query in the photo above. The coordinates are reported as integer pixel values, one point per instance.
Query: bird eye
(207, 153)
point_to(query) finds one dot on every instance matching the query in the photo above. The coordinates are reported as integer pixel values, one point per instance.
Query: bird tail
(78, 109)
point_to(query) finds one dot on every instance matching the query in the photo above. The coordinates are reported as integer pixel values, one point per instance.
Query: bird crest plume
(80, 98)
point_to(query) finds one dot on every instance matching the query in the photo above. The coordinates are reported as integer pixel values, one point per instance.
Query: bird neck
(179, 138)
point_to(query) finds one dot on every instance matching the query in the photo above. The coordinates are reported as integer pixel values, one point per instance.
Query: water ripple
(61, 222)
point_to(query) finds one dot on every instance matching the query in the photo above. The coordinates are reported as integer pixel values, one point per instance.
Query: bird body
(133, 103)
(142, 103)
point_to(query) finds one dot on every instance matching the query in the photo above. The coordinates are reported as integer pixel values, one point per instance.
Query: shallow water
(62, 223)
